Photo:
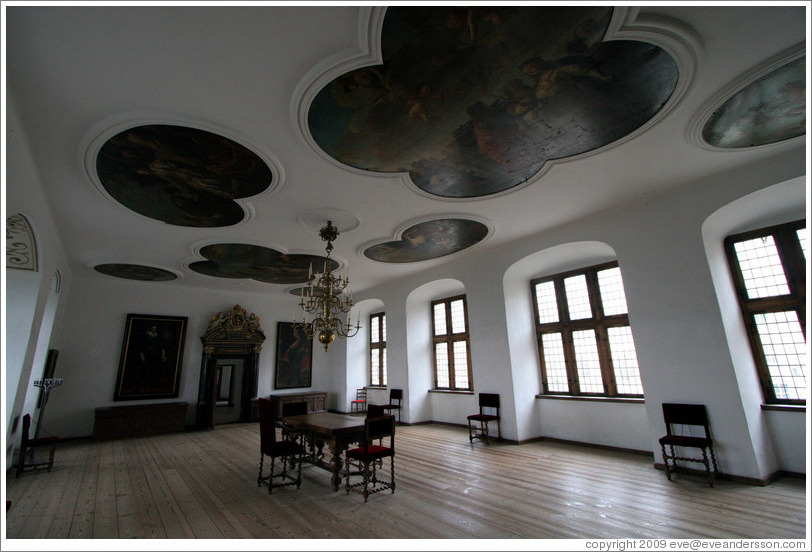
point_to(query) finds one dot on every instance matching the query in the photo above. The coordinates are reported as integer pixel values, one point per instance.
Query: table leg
(336, 463)
(318, 452)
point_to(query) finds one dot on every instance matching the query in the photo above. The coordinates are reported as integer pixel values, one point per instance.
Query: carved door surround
(230, 334)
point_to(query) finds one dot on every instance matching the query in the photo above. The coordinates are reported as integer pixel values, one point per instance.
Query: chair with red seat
(359, 404)
(29, 446)
(395, 402)
(289, 450)
(488, 412)
(369, 457)
(687, 416)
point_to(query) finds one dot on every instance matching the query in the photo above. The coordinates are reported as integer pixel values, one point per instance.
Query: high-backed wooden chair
(291, 409)
(359, 404)
(375, 411)
(691, 418)
(369, 457)
(488, 412)
(290, 432)
(289, 450)
(29, 446)
(395, 402)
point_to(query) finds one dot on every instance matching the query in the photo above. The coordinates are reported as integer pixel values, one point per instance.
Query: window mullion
(601, 334)
(569, 357)
(594, 295)
(449, 346)
(452, 376)
(566, 336)
(605, 358)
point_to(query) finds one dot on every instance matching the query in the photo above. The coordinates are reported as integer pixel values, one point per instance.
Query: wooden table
(338, 431)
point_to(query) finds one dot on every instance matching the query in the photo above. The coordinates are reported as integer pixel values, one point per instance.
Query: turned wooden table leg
(336, 463)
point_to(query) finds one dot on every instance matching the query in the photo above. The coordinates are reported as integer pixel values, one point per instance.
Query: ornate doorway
(228, 370)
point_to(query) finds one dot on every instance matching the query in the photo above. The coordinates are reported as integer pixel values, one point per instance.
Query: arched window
(584, 338)
(377, 349)
(452, 358)
(769, 267)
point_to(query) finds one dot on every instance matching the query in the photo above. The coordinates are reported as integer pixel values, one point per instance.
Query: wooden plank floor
(203, 485)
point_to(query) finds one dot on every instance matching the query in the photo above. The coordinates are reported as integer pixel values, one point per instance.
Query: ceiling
(257, 79)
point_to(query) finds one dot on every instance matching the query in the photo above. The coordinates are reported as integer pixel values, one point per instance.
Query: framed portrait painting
(151, 357)
(294, 357)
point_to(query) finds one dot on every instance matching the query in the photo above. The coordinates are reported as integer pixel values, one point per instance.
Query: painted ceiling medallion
(474, 101)
(135, 272)
(429, 240)
(180, 175)
(769, 110)
(240, 260)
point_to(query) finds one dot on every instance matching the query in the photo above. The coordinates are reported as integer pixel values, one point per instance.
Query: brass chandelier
(322, 299)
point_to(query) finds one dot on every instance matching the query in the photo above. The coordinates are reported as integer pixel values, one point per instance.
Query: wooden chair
(375, 411)
(289, 450)
(369, 457)
(291, 409)
(289, 432)
(29, 446)
(687, 415)
(359, 404)
(395, 402)
(488, 412)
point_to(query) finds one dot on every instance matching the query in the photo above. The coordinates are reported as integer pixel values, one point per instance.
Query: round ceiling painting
(179, 175)
(429, 240)
(240, 260)
(472, 101)
(769, 110)
(135, 272)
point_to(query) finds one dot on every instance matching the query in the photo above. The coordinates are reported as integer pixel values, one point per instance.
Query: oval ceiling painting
(240, 260)
(474, 101)
(429, 240)
(766, 111)
(135, 272)
(179, 175)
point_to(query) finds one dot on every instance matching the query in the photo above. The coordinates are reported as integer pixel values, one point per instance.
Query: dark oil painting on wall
(151, 357)
(472, 101)
(180, 175)
(294, 357)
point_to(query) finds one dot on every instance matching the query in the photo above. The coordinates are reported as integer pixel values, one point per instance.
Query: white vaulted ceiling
(75, 75)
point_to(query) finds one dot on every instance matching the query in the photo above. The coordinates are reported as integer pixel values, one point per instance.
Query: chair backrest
(375, 411)
(379, 428)
(361, 394)
(294, 408)
(26, 427)
(395, 396)
(488, 400)
(267, 427)
(685, 414)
